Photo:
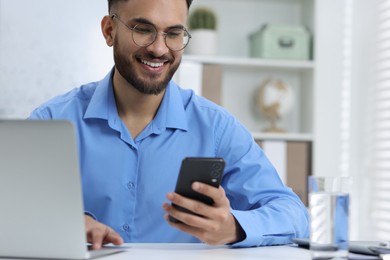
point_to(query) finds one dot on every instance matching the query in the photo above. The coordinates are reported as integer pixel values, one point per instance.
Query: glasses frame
(155, 36)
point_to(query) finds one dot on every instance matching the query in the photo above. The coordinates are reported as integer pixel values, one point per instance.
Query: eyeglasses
(143, 34)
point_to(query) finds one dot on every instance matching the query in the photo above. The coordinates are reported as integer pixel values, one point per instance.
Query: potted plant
(202, 24)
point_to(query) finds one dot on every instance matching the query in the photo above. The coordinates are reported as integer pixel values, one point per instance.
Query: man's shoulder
(201, 111)
(75, 99)
(203, 104)
(190, 98)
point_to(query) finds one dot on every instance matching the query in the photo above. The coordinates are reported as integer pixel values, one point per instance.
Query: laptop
(41, 206)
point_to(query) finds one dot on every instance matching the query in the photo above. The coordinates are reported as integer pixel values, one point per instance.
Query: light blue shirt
(125, 180)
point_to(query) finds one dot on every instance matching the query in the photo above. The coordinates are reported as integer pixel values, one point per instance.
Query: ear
(108, 29)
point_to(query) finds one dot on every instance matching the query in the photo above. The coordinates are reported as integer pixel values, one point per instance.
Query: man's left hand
(214, 225)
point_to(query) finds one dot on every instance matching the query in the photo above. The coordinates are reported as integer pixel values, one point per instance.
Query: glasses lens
(144, 34)
(176, 39)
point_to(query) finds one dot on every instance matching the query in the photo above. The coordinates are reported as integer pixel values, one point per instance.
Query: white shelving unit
(241, 78)
(284, 137)
(243, 75)
(296, 65)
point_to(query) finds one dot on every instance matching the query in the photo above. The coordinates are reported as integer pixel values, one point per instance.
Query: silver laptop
(41, 206)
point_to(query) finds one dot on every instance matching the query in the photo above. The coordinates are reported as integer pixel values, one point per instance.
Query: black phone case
(202, 169)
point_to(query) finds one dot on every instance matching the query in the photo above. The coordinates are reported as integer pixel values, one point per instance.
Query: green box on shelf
(281, 42)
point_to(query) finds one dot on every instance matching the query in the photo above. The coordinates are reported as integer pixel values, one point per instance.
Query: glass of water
(329, 217)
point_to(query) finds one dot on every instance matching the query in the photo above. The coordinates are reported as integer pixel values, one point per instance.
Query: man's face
(148, 69)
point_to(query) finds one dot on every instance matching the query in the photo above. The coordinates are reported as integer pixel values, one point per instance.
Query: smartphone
(208, 170)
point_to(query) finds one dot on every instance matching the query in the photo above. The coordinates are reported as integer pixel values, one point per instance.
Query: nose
(158, 47)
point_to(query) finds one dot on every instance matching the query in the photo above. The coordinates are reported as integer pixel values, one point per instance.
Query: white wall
(363, 76)
(341, 124)
(48, 47)
(330, 77)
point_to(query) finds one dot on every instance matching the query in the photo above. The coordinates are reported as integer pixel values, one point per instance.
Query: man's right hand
(99, 234)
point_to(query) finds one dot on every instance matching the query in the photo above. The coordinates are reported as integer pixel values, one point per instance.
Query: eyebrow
(146, 21)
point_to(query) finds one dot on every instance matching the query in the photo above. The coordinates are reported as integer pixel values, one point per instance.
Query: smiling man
(135, 126)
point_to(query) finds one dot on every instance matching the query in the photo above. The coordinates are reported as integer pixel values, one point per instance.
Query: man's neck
(135, 109)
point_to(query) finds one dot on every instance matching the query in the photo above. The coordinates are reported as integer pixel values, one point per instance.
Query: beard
(126, 68)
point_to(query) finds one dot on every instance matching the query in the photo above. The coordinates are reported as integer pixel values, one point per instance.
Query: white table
(205, 252)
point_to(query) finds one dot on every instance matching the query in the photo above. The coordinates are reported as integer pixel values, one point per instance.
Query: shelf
(282, 136)
(251, 62)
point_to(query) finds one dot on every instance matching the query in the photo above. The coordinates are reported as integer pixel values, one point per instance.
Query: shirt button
(126, 227)
(130, 185)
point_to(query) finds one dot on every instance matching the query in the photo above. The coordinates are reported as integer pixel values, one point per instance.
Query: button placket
(126, 227)
(130, 185)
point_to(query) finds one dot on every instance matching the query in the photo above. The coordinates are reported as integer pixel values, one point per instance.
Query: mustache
(149, 56)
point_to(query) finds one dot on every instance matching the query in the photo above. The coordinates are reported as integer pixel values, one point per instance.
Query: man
(135, 126)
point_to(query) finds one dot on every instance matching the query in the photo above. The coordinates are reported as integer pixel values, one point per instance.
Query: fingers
(99, 234)
(218, 212)
(209, 231)
(103, 235)
(185, 217)
(96, 238)
(217, 194)
(212, 224)
(113, 237)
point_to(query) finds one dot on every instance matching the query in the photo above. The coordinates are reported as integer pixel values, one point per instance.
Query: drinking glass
(329, 217)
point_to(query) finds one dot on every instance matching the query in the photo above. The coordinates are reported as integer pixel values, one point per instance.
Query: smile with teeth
(153, 64)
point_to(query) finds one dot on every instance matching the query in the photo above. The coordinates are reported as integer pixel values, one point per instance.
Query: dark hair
(113, 2)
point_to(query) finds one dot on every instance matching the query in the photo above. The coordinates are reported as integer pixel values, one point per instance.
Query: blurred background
(309, 78)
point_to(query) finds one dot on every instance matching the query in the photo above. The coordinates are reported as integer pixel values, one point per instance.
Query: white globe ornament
(275, 99)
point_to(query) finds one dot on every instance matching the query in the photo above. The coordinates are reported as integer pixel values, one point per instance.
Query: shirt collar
(171, 113)
(102, 103)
